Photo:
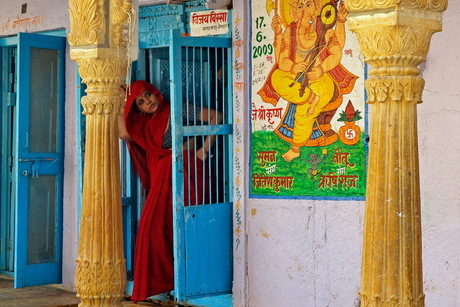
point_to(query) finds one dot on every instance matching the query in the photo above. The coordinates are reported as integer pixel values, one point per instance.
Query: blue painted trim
(204, 41)
(129, 288)
(14, 40)
(206, 130)
(178, 188)
(366, 116)
(56, 32)
(230, 156)
(9, 41)
(225, 300)
(157, 10)
(80, 153)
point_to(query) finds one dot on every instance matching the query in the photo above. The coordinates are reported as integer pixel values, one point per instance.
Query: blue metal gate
(197, 72)
(200, 75)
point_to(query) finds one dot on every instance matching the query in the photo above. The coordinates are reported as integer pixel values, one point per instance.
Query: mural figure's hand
(316, 73)
(276, 25)
(342, 12)
(298, 67)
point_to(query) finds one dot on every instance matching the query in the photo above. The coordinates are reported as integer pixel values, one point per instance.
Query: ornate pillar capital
(102, 70)
(394, 36)
(373, 5)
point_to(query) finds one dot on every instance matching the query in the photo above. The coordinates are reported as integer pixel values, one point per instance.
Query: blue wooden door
(38, 160)
(200, 72)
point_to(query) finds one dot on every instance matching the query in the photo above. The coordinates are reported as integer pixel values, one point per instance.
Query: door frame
(8, 99)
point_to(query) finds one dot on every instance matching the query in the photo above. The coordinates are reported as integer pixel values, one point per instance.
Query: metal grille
(204, 87)
(205, 72)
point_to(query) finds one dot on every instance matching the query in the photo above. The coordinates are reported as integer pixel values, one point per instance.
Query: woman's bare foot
(291, 154)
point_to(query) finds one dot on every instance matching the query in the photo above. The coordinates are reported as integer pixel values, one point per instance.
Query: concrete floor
(49, 296)
(34, 296)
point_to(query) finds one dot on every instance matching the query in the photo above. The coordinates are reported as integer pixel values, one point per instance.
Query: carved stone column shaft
(394, 36)
(392, 264)
(101, 272)
(98, 44)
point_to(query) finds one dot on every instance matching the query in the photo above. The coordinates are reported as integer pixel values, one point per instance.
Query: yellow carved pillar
(394, 36)
(98, 45)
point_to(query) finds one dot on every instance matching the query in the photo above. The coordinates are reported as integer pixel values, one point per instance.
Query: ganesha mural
(305, 140)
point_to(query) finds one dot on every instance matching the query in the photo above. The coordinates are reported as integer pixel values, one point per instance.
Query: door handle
(35, 166)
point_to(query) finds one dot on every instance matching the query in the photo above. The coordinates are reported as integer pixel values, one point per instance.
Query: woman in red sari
(146, 127)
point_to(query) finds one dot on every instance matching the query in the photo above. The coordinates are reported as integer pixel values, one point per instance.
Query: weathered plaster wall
(40, 15)
(43, 15)
(304, 253)
(439, 143)
(71, 175)
(308, 253)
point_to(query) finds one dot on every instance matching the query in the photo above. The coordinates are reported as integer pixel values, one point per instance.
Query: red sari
(153, 257)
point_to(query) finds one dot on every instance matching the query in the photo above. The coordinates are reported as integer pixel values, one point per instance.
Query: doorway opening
(196, 72)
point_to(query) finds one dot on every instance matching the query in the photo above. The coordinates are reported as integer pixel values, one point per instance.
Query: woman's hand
(201, 154)
(122, 131)
(213, 117)
(122, 90)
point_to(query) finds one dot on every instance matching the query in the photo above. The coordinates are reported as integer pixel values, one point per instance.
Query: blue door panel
(208, 240)
(38, 159)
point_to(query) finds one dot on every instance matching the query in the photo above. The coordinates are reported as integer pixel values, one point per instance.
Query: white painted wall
(439, 143)
(308, 253)
(43, 15)
(40, 15)
(71, 173)
(304, 253)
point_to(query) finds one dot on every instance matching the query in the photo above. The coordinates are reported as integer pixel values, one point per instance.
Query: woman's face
(147, 102)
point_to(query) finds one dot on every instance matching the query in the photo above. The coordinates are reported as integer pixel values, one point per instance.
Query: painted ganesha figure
(307, 73)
